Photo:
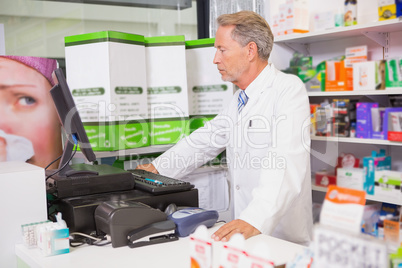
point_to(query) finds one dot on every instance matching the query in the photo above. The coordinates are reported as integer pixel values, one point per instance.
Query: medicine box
(107, 76)
(369, 75)
(297, 16)
(208, 94)
(393, 73)
(386, 9)
(167, 88)
(364, 127)
(324, 178)
(352, 178)
(393, 124)
(372, 164)
(388, 184)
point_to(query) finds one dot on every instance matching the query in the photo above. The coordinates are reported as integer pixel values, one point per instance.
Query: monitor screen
(70, 120)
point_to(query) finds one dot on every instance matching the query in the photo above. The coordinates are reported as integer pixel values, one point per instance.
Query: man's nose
(216, 58)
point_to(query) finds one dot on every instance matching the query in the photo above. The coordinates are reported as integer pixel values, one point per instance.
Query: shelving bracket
(299, 47)
(378, 37)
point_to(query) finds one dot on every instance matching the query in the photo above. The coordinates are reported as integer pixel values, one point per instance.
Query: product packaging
(377, 123)
(371, 218)
(393, 73)
(233, 253)
(386, 9)
(388, 184)
(325, 178)
(392, 124)
(372, 164)
(352, 178)
(201, 248)
(340, 120)
(369, 75)
(324, 21)
(107, 76)
(343, 209)
(297, 16)
(167, 88)
(364, 127)
(350, 17)
(257, 257)
(208, 94)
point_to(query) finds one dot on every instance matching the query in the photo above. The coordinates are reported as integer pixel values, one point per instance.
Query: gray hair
(250, 27)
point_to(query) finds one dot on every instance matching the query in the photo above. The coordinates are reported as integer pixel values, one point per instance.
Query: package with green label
(393, 73)
(208, 94)
(167, 88)
(107, 76)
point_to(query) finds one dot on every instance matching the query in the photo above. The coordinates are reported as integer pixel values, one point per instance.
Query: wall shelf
(387, 26)
(355, 93)
(356, 140)
(368, 197)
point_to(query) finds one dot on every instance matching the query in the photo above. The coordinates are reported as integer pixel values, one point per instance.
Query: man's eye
(26, 101)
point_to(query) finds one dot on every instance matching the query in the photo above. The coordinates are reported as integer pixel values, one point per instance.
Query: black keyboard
(158, 184)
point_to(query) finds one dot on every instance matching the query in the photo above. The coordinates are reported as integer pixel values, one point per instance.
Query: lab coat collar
(263, 81)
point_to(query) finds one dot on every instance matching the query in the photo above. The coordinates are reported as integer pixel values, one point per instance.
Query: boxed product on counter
(167, 88)
(107, 76)
(207, 93)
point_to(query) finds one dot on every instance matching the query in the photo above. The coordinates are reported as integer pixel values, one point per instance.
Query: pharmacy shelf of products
(387, 26)
(368, 197)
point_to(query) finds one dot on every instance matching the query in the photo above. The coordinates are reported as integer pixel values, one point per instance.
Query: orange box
(336, 76)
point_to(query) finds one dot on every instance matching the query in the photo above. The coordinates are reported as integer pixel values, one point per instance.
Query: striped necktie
(242, 100)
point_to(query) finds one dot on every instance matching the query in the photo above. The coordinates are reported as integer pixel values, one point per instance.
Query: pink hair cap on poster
(43, 65)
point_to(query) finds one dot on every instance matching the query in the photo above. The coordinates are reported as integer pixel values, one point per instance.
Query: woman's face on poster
(27, 110)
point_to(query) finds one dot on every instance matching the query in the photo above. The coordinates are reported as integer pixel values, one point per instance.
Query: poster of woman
(29, 126)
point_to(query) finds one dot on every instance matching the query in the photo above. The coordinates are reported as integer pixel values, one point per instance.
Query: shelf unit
(379, 32)
(376, 31)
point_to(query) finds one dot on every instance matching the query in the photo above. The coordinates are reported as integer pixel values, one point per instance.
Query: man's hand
(148, 167)
(3, 150)
(237, 226)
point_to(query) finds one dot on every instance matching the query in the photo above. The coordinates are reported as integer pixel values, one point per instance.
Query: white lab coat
(267, 148)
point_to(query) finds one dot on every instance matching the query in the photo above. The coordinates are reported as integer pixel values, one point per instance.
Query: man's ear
(252, 50)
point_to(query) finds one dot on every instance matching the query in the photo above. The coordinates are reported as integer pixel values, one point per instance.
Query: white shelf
(394, 25)
(356, 140)
(368, 197)
(136, 151)
(355, 93)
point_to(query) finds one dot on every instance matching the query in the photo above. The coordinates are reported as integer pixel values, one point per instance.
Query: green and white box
(393, 73)
(107, 76)
(208, 94)
(167, 88)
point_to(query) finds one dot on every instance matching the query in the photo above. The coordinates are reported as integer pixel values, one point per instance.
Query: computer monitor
(71, 122)
(80, 179)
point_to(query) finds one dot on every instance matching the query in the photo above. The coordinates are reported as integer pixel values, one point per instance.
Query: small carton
(372, 164)
(167, 88)
(297, 16)
(369, 75)
(364, 127)
(388, 184)
(106, 74)
(393, 73)
(324, 178)
(392, 124)
(386, 9)
(352, 178)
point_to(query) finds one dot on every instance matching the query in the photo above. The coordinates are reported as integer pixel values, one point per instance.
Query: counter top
(172, 254)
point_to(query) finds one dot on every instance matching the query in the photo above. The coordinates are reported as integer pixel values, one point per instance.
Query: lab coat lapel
(264, 84)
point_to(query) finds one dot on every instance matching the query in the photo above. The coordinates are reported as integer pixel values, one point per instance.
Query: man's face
(27, 110)
(230, 58)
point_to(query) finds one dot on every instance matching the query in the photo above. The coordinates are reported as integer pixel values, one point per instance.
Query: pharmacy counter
(172, 254)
